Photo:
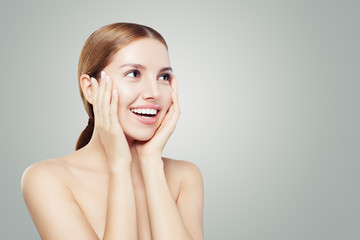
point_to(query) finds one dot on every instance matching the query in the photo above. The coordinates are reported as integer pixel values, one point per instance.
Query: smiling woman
(116, 185)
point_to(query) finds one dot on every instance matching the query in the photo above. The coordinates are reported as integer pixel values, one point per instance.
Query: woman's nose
(151, 89)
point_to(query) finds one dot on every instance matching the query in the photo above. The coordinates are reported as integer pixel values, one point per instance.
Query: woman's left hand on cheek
(154, 147)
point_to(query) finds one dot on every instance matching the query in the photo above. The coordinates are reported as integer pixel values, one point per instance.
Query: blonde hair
(97, 53)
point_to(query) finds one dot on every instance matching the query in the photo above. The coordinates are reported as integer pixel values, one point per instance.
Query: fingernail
(93, 80)
(114, 91)
(107, 79)
(102, 74)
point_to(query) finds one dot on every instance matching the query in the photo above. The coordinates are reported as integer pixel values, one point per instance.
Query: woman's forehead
(148, 52)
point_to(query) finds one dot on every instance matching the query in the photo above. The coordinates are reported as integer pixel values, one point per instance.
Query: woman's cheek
(168, 98)
(127, 94)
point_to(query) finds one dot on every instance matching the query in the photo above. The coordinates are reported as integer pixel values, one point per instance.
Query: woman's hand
(154, 147)
(105, 104)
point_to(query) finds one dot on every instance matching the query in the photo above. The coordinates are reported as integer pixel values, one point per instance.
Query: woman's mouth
(145, 112)
(146, 115)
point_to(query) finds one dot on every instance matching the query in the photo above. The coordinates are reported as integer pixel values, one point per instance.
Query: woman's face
(141, 74)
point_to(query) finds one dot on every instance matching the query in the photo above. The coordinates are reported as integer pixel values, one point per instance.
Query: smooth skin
(118, 186)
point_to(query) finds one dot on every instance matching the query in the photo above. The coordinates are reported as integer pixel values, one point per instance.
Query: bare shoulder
(44, 174)
(179, 165)
(52, 168)
(50, 201)
(183, 170)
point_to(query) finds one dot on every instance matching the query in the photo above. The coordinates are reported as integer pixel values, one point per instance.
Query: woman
(116, 185)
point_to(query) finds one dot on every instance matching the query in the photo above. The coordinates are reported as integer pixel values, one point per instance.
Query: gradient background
(269, 92)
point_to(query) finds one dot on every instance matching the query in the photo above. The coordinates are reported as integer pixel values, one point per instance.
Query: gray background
(269, 92)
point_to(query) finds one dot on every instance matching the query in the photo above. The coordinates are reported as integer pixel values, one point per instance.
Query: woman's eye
(134, 73)
(165, 77)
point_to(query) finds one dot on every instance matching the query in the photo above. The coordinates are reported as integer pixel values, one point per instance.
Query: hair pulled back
(98, 52)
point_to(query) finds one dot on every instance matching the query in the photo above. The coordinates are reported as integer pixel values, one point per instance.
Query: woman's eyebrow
(166, 69)
(133, 65)
(139, 66)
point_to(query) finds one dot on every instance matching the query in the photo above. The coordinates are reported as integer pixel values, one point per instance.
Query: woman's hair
(97, 53)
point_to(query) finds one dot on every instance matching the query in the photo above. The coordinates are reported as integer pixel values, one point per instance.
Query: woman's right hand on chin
(105, 104)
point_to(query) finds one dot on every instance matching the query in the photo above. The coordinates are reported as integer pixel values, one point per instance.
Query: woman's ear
(86, 87)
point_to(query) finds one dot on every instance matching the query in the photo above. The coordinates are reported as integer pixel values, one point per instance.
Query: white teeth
(144, 111)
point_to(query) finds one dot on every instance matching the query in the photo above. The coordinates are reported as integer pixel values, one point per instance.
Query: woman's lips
(146, 114)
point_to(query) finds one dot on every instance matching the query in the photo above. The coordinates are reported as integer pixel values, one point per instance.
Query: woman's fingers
(170, 120)
(175, 96)
(94, 85)
(113, 109)
(169, 123)
(101, 100)
(105, 105)
(174, 83)
(98, 102)
(100, 92)
(174, 110)
(95, 88)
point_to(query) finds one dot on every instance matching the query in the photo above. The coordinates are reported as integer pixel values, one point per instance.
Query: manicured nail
(107, 79)
(93, 80)
(114, 91)
(102, 74)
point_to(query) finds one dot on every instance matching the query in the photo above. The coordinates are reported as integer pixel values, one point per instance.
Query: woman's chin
(141, 137)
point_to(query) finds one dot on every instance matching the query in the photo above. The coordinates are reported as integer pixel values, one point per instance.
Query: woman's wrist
(153, 157)
(119, 165)
(151, 163)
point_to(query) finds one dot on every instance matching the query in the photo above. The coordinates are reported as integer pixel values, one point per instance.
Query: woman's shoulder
(181, 169)
(56, 169)
(52, 170)
(52, 164)
(42, 182)
(181, 165)
(47, 173)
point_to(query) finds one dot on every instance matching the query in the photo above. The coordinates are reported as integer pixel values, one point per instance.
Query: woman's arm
(121, 212)
(171, 220)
